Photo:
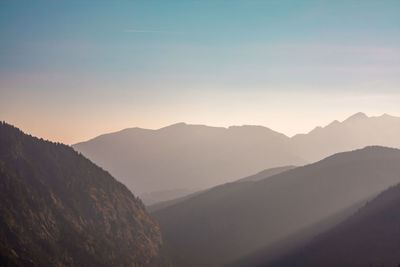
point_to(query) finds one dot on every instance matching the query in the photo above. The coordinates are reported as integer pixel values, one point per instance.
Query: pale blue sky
(70, 70)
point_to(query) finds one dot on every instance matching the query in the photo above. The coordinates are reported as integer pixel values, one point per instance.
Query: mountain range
(187, 157)
(57, 208)
(355, 132)
(173, 161)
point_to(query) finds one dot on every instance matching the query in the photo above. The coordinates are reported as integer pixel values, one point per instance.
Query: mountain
(168, 163)
(266, 173)
(355, 132)
(156, 197)
(59, 209)
(273, 254)
(368, 238)
(256, 177)
(230, 221)
(189, 157)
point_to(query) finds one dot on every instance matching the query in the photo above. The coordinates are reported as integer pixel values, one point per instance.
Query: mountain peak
(179, 124)
(387, 116)
(357, 116)
(247, 127)
(174, 126)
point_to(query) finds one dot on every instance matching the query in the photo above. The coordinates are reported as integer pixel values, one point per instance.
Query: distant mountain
(368, 238)
(153, 198)
(191, 157)
(59, 209)
(266, 173)
(187, 156)
(355, 132)
(230, 221)
(256, 177)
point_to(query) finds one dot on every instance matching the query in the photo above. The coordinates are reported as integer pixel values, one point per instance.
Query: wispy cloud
(150, 31)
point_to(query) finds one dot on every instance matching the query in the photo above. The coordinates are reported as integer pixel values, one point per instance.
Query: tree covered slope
(59, 209)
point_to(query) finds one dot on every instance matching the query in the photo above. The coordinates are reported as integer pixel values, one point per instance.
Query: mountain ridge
(357, 115)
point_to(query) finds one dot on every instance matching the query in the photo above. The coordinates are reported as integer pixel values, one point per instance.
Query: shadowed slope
(256, 177)
(59, 209)
(266, 173)
(229, 221)
(368, 238)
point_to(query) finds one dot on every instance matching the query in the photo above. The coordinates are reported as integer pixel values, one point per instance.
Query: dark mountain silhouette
(272, 253)
(183, 158)
(187, 156)
(256, 177)
(368, 238)
(59, 209)
(230, 221)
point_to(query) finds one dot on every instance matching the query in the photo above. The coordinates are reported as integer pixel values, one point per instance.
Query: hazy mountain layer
(229, 221)
(266, 173)
(187, 156)
(59, 209)
(153, 198)
(355, 132)
(193, 157)
(368, 238)
(256, 177)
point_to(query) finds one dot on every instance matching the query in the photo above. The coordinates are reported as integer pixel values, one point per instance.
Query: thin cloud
(150, 31)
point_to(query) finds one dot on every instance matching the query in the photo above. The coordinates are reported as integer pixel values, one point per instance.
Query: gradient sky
(71, 70)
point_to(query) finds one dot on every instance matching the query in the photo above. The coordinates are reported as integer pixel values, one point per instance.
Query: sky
(72, 70)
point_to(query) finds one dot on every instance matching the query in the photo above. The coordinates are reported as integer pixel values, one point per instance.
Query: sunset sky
(71, 70)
